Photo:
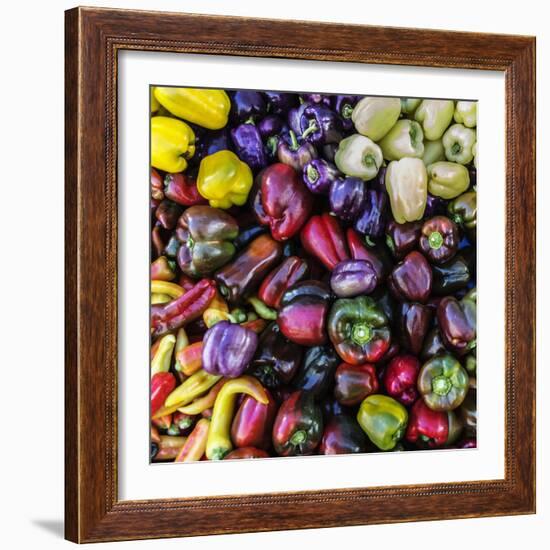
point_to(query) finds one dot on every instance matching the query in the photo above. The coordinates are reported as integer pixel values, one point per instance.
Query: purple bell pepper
(228, 349)
(249, 146)
(320, 125)
(210, 143)
(319, 175)
(347, 198)
(353, 277)
(329, 151)
(435, 206)
(247, 105)
(271, 126)
(372, 219)
(316, 99)
(280, 103)
(343, 105)
(293, 153)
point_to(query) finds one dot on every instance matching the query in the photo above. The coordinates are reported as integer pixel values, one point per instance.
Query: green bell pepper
(407, 186)
(463, 211)
(383, 419)
(447, 179)
(443, 383)
(405, 139)
(458, 142)
(358, 329)
(434, 115)
(466, 113)
(409, 105)
(374, 116)
(359, 156)
(433, 152)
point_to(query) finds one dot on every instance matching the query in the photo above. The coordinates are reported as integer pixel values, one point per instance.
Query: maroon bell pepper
(323, 238)
(242, 276)
(253, 423)
(347, 198)
(353, 277)
(439, 239)
(285, 201)
(428, 428)
(316, 371)
(400, 379)
(373, 255)
(413, 322)
(298, 427)
(352, 383)
(182, 189)
(402, 238)
(293, 153)
(457, 322)
(411, 279)
(343, 435)
(246, 453)
(292, 270)
(304, 308)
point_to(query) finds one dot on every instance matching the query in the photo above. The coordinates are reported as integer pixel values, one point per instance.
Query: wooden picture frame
(94, 36)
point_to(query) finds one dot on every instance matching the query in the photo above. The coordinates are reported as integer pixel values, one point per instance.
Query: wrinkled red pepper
(292, 270)
(182, 310)
(323, 238)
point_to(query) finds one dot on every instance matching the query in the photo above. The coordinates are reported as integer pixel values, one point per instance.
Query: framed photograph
(300, 280)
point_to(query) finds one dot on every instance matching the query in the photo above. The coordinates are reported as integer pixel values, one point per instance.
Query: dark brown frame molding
(93, 38)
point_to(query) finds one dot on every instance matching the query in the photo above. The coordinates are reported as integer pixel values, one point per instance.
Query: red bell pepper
(359, 251)
(354, 382)
(162, 385)
(246, 452)
(400, 378)
(292, 270)
(323, 238)
(182, 189)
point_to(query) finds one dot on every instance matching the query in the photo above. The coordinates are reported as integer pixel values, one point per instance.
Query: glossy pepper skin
(249, 146)
(374, 255)
(429, 428)
(466, 113)
(285, 201)
(400, 379)
(172, 144)
(443, 383)
(277, 359)
(343, 105)
(253, 423)
(247, 105)
(402, 238)
(224, 179)
(459, 142)
(182, 310)
(447, 179)
(405, 139)
(182, 189)
(304, 308)
(295, 153)
(463, 211)
(373, 216)
(353, 277)
(316, 372)
(228, 348)
(375, 116)
(319, 175)
(320, 125)
(457, 322)
(352, 383)
(246, 453)
(342, 435)
(206, 234)
(407, 187)
(323, 238)
(347, 198)
(298, 427)
(435, 116)
(439, 239)
(452, 275)
(243, 275)
(292, 270)
(358, 330)
(383, 419)
(359, 157)
(413, 320)
(219, 438)
(411, 279)
(206, 108)
(212, 142)
(162, 385)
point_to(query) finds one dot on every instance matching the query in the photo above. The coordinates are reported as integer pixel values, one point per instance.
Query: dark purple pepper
(168, 213)
(210, 143)
(372, 219)
(249, 146)
(414, 321)
(329, 151)
(279, 103)
(317, 99)
(343, 105)
(246, 105)
(294, 116)
(353, 277)
(318, 175)
(347, 198)
(320, 125)
(270, 126)
(435, 206)
(228, 349)
(379, 182)
(294, 153)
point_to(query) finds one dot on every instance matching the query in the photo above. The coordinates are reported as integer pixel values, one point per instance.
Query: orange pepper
(190, 358)
(194, 447)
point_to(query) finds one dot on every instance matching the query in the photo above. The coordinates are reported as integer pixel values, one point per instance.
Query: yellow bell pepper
(224, 180)
(172, 144)
(206, 108)
(154, 103)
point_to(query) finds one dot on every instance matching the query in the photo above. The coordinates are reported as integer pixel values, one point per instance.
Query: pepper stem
(346, 111)
(293, 141)
(369, 161)
(361, 333)
(298, 437)
(435, 240)
(312, 173)
(190, 242)
(456, 148)
(441, 385)
(271, 144)
(310, 129)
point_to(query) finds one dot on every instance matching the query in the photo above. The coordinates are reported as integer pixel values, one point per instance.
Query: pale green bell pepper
(434, 115)
(407, 186)
(447, 179)
(374, 116)
(359, 156)
(466, 113)
(403, 140)
(409, 105)
(458, 142)
(433, 152)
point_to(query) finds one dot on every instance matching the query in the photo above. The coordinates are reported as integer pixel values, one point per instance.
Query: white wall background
(31, 468)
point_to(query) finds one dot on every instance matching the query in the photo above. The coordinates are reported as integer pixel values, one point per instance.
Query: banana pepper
(163, 356)
(219, 438)
(224, 179)
(206, 108)
(172, 144)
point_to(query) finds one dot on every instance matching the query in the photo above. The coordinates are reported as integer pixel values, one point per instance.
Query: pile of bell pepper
(313, 285)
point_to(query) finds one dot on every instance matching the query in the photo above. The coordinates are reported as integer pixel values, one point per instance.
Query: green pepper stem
(293, 141)
(369, 241)
(346, 111)
(218, 454)
(369, 161)
(262, 309)
(298, 437)
(271, 144)
(441, 385)
(361, 333)
(456, 148)
(310, 129)
(390, 243)
(435, 240)
(312, 173)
